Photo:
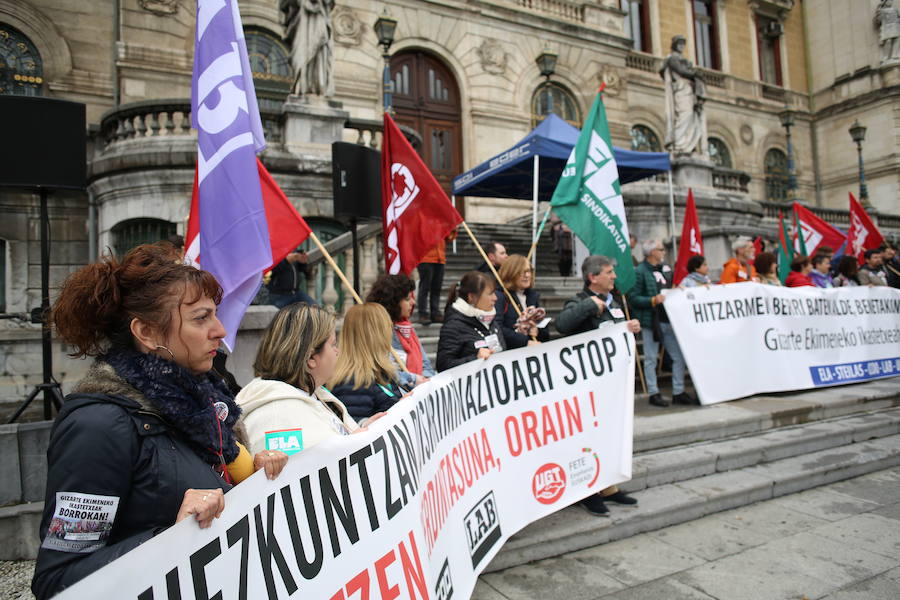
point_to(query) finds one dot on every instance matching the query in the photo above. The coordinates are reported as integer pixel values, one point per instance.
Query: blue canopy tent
(532, 167)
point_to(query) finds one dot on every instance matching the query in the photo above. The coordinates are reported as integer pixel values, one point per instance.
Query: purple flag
(234, 235)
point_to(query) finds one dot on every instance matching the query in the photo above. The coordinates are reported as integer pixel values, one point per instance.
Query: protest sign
(744, 339)
(416, 506)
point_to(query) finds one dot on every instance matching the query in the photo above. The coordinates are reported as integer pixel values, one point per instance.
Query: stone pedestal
(692, 172)
(312, 124)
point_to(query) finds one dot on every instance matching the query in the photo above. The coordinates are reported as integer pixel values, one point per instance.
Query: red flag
(287, 229)
(758, 245)
(691, 241)
(862, 235)
(816, 231)
(416, 213)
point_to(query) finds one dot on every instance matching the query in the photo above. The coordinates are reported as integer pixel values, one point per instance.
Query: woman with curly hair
(396, 293)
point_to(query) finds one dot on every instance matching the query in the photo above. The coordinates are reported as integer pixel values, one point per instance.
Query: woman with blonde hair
(518, 277)
(365, 377)
(285, 406)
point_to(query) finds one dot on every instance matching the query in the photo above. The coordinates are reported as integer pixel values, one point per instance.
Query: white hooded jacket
(270, 405)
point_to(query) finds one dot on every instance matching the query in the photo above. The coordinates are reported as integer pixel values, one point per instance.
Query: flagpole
(453, 202)
(672, 216)
(637, 353)
(340, 274)
(535, 185)
(537, 237)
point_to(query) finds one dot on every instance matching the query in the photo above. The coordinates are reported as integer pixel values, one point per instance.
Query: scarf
(199, 407)
(409, 341)
(485, 316)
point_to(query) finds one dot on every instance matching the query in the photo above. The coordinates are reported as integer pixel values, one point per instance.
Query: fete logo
(482, 525)
(443, 589)
(548, 483)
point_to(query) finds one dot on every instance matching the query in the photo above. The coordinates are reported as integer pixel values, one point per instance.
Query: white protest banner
(418, 505)
(746, 338)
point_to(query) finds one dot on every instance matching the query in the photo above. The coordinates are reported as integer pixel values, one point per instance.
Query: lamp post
(858, 133)
(546, 63)
(384, 28)
(787, 121)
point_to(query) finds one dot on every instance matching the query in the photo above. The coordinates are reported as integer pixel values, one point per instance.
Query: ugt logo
(548, 483)
(482, 525)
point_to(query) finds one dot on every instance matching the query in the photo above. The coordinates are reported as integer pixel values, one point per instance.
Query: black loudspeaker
(356, 181)
(47, 146)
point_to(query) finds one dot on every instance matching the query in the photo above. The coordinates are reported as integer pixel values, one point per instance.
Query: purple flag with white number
(234, 235)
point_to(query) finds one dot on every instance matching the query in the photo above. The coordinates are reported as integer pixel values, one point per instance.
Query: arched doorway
(426, 99)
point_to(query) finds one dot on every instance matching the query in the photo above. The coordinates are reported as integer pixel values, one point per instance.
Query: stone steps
(725, 459)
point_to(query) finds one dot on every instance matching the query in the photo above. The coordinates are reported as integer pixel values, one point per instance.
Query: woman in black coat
(518, 277)
(470, 330)
(146, 438)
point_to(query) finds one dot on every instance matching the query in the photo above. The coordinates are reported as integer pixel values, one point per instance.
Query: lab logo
(443, 589)
(482, 525)
(548, 483)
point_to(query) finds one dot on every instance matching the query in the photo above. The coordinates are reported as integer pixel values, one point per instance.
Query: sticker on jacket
(617, 313)
(289, 441)
(493, 342)
(81, 522)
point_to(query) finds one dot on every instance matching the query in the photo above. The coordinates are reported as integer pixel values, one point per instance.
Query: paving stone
(666, 589)
(553, 578)
(880, 488)
(891, 512)
(630, 562)
(727, 490)
(885, 586)
(802, 565)
(769, 520)
(825, 503)
(484, 591)
(716, 538)
(873, 533)
(677, 465)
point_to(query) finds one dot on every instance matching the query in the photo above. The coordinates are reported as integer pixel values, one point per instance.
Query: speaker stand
(51, 389)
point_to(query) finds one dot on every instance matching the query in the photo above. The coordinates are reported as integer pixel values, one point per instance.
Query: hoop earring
(167, 350)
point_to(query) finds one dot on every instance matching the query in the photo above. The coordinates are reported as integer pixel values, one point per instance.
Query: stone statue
(887, 21)
(685, 94)
(307, 27)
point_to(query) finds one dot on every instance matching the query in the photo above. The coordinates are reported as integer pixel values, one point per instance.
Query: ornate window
(768, 38)
(134, 232)
(271, 67)
(644, 140)
(706, 34)
(718, 153)
(551, 97)
(776, 166)
(21, 67)
(637, 23)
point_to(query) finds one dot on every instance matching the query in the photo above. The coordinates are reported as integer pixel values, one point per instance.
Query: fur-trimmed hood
(101, 378)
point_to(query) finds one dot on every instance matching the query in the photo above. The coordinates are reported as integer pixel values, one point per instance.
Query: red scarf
(410, 343)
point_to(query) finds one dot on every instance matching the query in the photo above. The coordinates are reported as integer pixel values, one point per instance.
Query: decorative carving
(348, 29)
(307, 27)
(887, 21)
(160, 7)
(685, 95)
(746, 134)
(609, 75)
(493, 57)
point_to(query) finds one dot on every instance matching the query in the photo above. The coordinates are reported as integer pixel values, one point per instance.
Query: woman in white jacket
(285, 406)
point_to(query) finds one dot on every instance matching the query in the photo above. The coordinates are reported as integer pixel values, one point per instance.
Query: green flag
(588, 197)
(785, 250)
(800, 243)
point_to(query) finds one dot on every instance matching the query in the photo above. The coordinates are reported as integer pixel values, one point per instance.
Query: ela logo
(289, 441)
(548, 483)
(482, 525)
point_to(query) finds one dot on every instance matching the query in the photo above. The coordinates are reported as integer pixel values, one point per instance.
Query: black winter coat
(459, 336)
(507, 316)
(362, 403)
(110, 445)
(580, 313)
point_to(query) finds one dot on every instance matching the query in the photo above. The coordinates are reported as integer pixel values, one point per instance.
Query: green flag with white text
(588, 197)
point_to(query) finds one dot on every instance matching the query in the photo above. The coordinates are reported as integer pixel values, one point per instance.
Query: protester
(651, 276)
(740, 267)
(150, 428)
(563, 245)
(766, 266)
(891, 265)
(285, 404)
(396, 294)
(470, 330)
(872, 272)
(821, 271)
(518, 277)
(496, 253)
(431, 280)
(698, 272)
(590, 308)
(848, 272)
(286, 279)
(365, 378)
(800, 270)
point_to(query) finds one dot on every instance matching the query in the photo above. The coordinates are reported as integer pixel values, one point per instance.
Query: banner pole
(672, 217)
(343, 278)
(453, 202)
(535, 190)
(637, 354)
(537, 237)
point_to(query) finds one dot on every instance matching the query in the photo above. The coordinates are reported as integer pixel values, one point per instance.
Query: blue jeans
(651, 355)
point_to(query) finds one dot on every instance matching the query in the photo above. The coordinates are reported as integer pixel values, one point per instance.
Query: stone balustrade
(148, 119)
(730, 179)
(565, 9)
(329, 290)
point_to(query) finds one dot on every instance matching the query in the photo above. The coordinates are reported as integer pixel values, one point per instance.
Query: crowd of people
(157, 427)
